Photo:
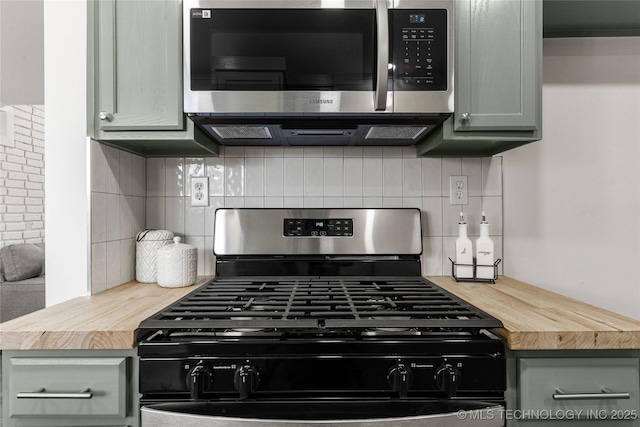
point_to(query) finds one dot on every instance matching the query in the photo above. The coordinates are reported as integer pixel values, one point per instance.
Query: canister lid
(153, 235)
(176, 246)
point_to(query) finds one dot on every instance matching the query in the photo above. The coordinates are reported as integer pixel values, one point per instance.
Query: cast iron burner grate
(331, 304)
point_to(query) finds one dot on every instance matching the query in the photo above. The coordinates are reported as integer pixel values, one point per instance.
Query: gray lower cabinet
(498, 79)
(135, 77)
(69, 388)
(594, 388)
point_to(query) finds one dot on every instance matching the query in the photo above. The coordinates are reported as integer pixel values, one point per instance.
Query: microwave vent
(395, 132)
(242, 132)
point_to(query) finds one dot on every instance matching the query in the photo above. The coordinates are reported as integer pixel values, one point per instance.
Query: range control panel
(342, 227)
(420, 49)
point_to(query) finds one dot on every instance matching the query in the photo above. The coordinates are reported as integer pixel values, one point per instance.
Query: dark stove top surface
(270, 306)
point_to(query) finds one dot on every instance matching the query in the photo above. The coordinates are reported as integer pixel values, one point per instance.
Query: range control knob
(447, 379)
(246, 380)
(199, 380)
(400, 379)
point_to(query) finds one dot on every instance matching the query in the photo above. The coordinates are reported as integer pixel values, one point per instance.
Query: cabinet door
(498, 60)
(139, 65)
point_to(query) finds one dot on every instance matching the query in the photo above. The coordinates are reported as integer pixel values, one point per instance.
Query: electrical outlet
(200, 191)
(458, 190)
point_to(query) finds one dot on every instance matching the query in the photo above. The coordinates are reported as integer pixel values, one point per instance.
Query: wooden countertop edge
(533, 318)
(105, 321)
(553, 321)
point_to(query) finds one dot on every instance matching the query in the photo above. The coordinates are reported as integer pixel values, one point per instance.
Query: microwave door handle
(382, 20)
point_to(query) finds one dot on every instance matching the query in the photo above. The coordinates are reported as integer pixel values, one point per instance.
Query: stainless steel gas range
(320, 316)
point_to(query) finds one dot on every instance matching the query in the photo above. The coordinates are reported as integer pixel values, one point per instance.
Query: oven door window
(283, 49)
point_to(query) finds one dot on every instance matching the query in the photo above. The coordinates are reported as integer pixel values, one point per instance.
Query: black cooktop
(385, 304)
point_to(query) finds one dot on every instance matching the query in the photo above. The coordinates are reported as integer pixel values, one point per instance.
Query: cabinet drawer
(580, 385)
(70, 387)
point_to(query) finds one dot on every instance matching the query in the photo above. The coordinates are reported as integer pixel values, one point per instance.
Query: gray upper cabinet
(135, 74)
(498, 79)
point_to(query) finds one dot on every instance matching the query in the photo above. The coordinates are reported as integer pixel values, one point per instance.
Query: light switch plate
(200, 191)
(458, 190)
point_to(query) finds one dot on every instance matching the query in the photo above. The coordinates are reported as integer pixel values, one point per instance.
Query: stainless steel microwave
(318, 56)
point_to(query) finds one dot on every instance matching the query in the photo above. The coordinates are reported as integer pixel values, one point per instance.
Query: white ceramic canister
(147, 244)
(177, 265)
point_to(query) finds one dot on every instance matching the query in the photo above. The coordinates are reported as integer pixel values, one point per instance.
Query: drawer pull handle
(606, 394)
(43, 394)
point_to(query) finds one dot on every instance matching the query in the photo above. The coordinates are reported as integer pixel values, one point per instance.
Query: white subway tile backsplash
(254, 202)
(127, 218)
(254, 184)
(234, 176)
(98, 267)
(431, 177)
(199, 244)
(127, 260)
(155, 177)
(126, 173)
(333, 202)
(174, 215)
(492, 176)
(113, 217)
(274, 202)
(432, 216)
(98, 217)
(450, 166)
(155, 213)
(388, 152)
(174, 177)
(314, 176)
(333, 177)
(273, 176)
(98, 168)
(279, 177)
(391, 177)
(113, 264)
(194, 224)
(372, 177)
(193, 166)
(293, 177)
(472, 168)
(312, 202)
(293, 202)
(112, 169)
(432, 257)
(138, 176)
(215, 171)
(353, 177)
(412, 177)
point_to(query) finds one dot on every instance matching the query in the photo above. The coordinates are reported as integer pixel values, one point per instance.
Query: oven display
(318, 227)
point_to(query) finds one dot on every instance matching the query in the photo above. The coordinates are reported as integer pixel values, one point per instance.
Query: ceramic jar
(177, 265)
(147, 244)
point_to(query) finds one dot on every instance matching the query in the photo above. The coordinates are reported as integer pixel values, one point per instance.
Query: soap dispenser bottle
(464, 251)
(484, 252)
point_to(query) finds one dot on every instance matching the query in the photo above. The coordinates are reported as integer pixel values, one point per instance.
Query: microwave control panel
(419, 48)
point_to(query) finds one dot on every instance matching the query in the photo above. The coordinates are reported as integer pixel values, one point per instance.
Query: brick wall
(22, 179)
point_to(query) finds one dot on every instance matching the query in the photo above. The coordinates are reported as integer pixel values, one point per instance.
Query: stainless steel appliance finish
(320, 317)
(261, 232)
(383, 97)
(479, 417)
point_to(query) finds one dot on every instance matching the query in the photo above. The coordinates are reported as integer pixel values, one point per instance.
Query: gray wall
(21, 52)
(572, 200)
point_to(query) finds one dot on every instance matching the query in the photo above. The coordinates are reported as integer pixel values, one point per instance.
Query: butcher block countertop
(537, 319)
(533, 318)
(106, 321)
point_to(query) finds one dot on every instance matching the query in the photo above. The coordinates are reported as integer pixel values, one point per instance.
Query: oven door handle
(382, 83)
